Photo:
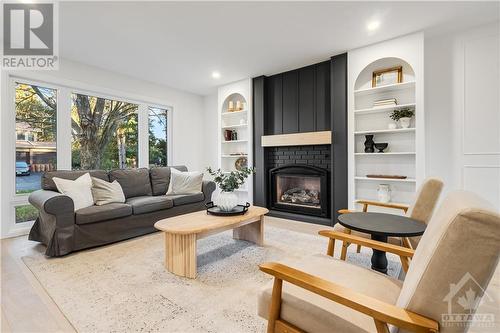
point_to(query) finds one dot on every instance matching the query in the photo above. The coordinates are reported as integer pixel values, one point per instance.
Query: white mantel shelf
(297, 139)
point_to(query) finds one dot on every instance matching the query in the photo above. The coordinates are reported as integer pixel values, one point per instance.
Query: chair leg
(406, 243)
(331, 247)
(405, 263)
(275, 308)
(381, 326)
(358, 249)
(345, 245)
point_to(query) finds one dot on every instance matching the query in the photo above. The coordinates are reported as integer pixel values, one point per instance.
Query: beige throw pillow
(80, 190)
(105, 192)
(184, 182)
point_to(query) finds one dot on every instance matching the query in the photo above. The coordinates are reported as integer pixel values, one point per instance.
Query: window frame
(64, 90)
(169, 131)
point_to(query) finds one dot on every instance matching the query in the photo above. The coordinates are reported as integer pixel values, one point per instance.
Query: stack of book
(385, 102)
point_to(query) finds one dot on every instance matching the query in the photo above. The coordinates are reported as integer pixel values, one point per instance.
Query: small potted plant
(228, 182)
(402, 116)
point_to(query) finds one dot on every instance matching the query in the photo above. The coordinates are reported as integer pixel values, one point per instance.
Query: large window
(104, 133)
(91, 132)
(36, 113)
(158, 137)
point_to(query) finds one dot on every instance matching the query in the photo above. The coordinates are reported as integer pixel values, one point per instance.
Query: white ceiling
(180, 44)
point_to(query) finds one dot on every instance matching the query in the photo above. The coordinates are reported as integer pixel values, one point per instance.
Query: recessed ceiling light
(373, 25)
(216, 75)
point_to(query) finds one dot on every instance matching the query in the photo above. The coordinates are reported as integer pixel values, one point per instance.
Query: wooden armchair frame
(381, 312)
(366, 204)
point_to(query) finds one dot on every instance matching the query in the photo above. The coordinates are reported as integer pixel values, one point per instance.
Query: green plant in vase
(402, 116)
(228, 182)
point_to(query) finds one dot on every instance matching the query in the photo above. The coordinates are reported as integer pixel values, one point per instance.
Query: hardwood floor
(26, 307)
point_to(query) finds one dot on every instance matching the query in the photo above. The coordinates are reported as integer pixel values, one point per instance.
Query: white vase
(392, 125)
(404, 122)
(384, 193)
(226, 201)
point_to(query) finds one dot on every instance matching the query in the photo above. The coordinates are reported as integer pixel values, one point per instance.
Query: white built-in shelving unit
(241, 122)
(405, 154)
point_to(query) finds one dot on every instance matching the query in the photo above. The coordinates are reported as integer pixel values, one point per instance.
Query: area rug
(125, 287)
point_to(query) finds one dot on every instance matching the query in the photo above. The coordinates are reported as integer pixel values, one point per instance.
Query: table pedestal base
(379, 259)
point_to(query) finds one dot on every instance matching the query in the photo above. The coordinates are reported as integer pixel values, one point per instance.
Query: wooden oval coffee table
(182, 232)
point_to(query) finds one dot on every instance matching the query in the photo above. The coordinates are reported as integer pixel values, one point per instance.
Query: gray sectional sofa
(63, 230)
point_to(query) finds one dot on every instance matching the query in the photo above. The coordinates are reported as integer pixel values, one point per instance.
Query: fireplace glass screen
(302, 191)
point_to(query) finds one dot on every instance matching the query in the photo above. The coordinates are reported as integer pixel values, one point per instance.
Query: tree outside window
(158, 148)
(36, 129)
(104, 133)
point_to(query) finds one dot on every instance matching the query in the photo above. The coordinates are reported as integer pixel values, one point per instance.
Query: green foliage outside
(157, 137)
(36, 106)
(26, 213)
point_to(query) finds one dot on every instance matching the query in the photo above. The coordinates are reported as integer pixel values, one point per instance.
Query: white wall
(210, 126)
(187, 118)
(463, 110)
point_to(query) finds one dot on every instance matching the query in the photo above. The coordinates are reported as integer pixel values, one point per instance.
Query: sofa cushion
(48, 183)
(183, 199)
(148, 204)
(314, 313)
(134, 182)
(79, 190)
(102, 213)
(160, 178)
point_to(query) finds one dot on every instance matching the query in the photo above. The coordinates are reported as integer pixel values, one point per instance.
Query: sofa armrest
(51, 202)
(208, 188)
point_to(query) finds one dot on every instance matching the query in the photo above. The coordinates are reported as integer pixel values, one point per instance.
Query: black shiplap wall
(298, 101)
(308, 99)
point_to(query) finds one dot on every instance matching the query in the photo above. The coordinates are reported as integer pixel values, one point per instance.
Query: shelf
(234, 141)
(384, 108)
(392, 202)
(233, 156)
(234, 112)
(397, 130)
(235, 126)
(407, 180)
(387, 88)
(382, 154)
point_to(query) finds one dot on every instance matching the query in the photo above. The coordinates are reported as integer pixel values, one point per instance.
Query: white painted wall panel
(481, 121)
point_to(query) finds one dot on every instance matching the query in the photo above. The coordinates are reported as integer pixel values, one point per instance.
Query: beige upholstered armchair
(322, 294)
(421, 209)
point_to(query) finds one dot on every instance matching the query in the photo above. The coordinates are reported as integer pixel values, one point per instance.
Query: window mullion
(64, 129)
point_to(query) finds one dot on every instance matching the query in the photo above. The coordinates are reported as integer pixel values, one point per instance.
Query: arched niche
(364, 79)
(233, 97)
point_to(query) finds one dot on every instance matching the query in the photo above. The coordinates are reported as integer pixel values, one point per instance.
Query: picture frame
(387, 76)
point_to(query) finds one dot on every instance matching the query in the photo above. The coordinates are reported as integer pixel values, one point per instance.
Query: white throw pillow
(105, 192)
(80, 190)
(184, 182)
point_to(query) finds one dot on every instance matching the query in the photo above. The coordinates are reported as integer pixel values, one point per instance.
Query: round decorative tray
(214, 210)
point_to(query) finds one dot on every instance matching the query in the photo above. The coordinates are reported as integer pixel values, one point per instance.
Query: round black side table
(380, 226)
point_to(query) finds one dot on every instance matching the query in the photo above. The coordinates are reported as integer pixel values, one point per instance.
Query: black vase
(369, 144)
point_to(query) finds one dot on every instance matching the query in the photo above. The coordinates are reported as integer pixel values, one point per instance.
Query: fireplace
(301, 189)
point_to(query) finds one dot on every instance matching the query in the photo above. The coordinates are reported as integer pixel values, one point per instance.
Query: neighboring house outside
(40, 155)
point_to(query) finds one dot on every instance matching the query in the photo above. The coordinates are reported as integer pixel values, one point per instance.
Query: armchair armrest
(381, 246)
(380, 311)
(51, 202)
(208, 187)
(382, 204)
